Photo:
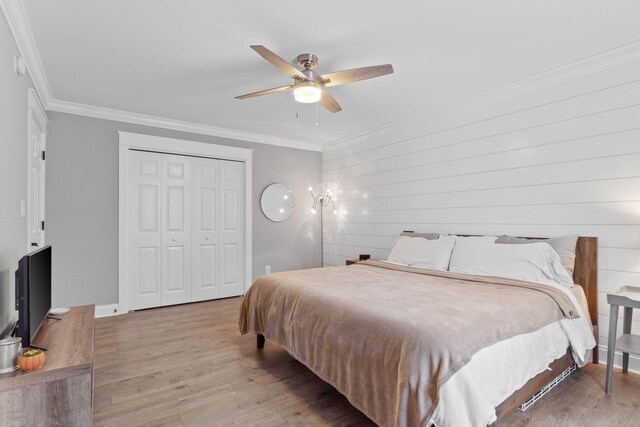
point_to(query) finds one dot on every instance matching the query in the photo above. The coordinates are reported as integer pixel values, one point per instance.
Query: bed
(418, 347)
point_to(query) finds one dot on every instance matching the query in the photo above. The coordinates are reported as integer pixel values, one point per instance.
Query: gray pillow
(565, 247)
(428, 236)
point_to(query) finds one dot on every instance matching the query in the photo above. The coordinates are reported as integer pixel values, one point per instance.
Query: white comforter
(470, 396)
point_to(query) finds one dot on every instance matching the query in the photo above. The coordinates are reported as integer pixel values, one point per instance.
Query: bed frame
(585, 274)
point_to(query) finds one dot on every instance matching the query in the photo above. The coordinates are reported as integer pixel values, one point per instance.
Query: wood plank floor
(188, 365)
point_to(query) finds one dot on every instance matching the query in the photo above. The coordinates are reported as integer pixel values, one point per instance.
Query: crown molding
(164, 123)
(592, 64)
(16, 18)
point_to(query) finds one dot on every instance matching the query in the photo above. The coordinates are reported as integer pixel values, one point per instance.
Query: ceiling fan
(309, 86)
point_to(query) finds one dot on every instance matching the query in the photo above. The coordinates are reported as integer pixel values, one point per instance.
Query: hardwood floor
(188, 365)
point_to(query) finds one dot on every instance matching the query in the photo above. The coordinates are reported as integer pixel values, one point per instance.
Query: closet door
(205, 229)
(144, 231)
(231, 228)
(176, 229)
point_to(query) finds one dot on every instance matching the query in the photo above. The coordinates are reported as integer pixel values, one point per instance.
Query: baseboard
(634, 361)
(107, 310)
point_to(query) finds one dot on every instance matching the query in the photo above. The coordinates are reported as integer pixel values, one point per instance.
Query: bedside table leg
(626, 329)
(611, 347)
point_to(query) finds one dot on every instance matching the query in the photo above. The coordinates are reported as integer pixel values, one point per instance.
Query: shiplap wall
(561, 159)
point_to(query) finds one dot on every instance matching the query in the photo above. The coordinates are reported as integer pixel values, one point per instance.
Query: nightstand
(352, 261)
(629, 298)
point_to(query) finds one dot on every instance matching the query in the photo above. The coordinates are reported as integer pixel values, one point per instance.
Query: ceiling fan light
(307, 93)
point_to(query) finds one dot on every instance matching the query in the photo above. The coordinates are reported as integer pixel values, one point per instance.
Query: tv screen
(33, 292)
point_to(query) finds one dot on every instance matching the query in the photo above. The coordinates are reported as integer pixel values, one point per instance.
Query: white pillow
(422, 253)
(535, 262)
(475, 240)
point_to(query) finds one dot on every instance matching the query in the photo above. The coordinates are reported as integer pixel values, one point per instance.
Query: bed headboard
(585, 274)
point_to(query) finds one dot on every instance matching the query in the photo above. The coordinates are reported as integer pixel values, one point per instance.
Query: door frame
(137, 141)
(35, 113)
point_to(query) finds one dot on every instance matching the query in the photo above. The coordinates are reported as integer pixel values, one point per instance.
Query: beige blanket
(387, 337)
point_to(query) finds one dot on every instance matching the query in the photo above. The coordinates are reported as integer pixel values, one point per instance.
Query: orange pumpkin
(31, 359)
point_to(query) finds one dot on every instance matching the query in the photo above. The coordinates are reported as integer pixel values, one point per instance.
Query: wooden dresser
(61, 392)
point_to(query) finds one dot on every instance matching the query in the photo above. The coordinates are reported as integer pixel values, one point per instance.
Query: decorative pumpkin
(31, 359)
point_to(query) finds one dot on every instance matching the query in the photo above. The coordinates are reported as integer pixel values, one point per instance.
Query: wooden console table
(61, 392)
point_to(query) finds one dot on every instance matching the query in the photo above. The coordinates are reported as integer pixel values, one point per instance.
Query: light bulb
(313, 211)
(335, 211)
(281, 210)
(307, 92)
(310, 189)
(286, 197)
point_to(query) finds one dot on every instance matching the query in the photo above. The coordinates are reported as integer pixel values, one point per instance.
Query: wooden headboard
(585, 274)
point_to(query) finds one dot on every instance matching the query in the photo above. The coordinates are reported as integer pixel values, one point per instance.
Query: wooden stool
(629, 298)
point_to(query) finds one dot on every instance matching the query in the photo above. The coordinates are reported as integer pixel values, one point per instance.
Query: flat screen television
(33, 292)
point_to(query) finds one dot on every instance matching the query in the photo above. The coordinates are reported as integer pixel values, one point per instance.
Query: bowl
(31, 359)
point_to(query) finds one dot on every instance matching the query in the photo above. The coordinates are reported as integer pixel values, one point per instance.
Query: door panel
(175, 208)
(208, 266)
(143, 216)
(230, 210)
(176, 232)
(147, 270)
(230, 258)
(175, 269)
(148, 210)
(186, 238)
(231, 233)
(205, 222)
(36, 183)
(207, 209)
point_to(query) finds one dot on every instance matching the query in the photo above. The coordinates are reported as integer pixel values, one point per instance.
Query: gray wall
(13, 172)
(82, 206)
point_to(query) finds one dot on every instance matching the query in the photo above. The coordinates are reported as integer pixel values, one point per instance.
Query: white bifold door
(185, 217)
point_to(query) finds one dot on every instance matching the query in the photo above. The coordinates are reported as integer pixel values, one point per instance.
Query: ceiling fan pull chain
(317, 122)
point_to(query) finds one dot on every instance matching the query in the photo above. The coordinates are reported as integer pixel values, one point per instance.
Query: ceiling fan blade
(265, 92)
(279, 63)
(355, 74)
(329, 102)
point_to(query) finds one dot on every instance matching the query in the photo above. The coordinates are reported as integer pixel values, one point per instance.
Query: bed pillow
(422, 253)
(535, 262)
(475, 240)
(565, 247)
(428, 236)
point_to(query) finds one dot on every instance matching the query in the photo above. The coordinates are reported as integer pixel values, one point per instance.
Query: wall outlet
(267, 269)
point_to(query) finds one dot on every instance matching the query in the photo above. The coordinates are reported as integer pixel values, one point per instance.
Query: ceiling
(186, 60)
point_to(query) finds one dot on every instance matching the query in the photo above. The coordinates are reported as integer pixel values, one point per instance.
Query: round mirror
(277, 202)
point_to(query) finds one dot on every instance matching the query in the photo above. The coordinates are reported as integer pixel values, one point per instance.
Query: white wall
(561, 159)
(82, 206)
(13, 172)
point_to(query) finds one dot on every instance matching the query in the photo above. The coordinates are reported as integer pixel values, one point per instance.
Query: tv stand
(61, 392)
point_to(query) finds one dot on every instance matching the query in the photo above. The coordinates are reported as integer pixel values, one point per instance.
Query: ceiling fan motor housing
(307, 60)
